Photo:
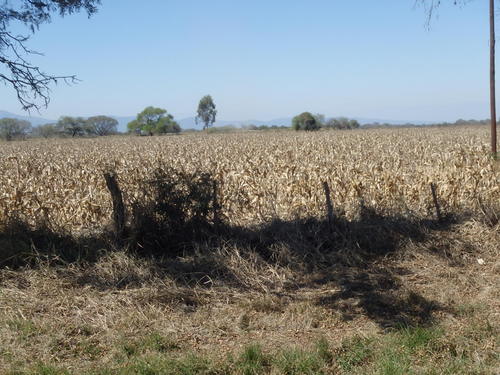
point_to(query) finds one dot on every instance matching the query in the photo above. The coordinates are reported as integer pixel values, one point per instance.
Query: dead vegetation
(259, 176)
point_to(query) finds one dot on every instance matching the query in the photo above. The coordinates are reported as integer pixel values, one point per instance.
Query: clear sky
(265, 59)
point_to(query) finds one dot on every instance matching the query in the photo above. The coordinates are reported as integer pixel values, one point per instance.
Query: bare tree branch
(431, 7)
(30, 82)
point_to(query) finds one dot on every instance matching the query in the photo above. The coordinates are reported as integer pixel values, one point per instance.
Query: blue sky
(269, 59)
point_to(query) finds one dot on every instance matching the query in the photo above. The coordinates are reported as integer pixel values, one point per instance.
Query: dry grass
(337, 296)
(124, 309)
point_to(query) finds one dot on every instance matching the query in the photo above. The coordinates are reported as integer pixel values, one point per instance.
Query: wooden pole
(329, 205)
(436, 202)
(118, 206)
(492, 81)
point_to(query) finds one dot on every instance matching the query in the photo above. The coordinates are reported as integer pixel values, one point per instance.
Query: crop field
(259, 176)
(329, 256)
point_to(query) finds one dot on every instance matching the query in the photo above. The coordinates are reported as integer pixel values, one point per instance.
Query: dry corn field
(259, 175)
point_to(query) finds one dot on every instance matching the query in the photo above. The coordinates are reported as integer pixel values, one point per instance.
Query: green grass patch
(324, 351)
(393, 361)
(402, 349)
(407, 350)
(26, 328)
(189, 365)
(154, 342)
(413, 339)
(354, 352)
(299, 362)
(252, 361)
(41, 369)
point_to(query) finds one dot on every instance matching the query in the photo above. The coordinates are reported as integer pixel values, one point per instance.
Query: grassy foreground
(404, 351)
(428, 307)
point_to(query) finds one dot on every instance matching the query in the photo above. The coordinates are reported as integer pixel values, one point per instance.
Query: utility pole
(492, 81)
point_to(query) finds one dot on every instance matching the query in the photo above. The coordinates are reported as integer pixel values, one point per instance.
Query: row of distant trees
(264, 127)
(155, 121)
(12, 128)
(150, 121)
(309, 122)
(459, 122)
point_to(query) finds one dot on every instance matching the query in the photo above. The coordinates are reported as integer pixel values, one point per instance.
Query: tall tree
(101, 125)
(206, 112)
(30, 83)
(12, 128)
(305, 121)
(154, 121)
(45, 131)
(74, 126)
(431, 6)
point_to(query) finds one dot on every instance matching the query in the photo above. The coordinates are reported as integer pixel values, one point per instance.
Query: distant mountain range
(190, 123)
(35, 121)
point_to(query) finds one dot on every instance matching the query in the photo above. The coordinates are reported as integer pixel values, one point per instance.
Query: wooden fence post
(118, 206)
(329, 205)
(436, 202)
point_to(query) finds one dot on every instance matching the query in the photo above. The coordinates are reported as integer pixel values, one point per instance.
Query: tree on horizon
(206, 112)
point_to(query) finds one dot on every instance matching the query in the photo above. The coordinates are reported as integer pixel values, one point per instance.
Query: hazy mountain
(35, 121)
(190, 123)
(364, 121)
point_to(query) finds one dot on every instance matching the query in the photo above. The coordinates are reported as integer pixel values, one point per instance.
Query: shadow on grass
(375, 293)
(179, 218)
(351, 255)
(22, 245)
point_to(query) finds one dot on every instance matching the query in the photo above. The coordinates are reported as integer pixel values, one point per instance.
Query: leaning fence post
(436, 202)
(118, 206)
(329, 205)
(216, 205)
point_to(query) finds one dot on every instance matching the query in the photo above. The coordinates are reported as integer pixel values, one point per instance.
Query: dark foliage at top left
(30, 83)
